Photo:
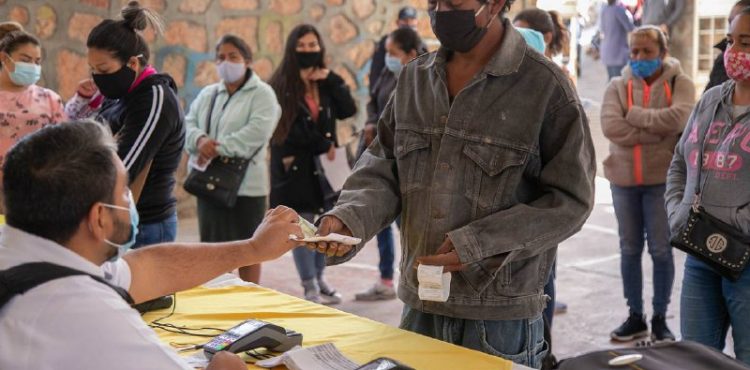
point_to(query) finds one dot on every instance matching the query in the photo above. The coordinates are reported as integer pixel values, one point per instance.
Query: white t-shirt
(74, 322)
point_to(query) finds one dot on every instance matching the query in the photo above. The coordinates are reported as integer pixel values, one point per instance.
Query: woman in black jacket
(312, 98)
(142, 109)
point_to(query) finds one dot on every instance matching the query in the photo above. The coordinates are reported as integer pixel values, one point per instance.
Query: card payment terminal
(252, 334)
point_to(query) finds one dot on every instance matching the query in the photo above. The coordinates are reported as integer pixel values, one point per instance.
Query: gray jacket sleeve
(677, 174)
(371, 198)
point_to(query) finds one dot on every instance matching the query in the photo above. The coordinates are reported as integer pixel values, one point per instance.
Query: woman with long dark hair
(312, 98)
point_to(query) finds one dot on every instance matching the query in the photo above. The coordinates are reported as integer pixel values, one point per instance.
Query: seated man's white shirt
(74, 322)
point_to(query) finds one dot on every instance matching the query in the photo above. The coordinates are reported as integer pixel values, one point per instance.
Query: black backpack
(22, 278)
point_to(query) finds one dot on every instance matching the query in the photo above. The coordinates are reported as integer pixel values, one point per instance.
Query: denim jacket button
(445, 167)
(443, 119)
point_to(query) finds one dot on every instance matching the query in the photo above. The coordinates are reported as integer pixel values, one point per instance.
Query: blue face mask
(393, 64)
(134, 220)
(645, 68)
(25, 74)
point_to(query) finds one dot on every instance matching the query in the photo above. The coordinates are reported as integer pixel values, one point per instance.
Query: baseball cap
(407, 12)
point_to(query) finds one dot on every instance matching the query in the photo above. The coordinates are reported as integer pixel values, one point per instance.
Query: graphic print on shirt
(24, 113)
(725, 153)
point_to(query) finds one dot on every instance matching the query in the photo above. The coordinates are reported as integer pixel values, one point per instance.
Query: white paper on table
(322, 357)
(434, 284)
(197, 360)
(336, 171)
(338, 238)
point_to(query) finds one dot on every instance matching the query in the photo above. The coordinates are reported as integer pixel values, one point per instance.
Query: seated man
(68, 204)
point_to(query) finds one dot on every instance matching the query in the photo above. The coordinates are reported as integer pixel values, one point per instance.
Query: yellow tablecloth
(358, 338)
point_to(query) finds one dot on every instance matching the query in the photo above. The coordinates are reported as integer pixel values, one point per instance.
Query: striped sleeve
(145, 127)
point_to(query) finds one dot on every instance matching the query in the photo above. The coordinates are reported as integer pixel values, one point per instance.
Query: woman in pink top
(24, 106)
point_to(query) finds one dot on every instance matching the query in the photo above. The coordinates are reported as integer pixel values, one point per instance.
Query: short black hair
(407, 39)
(122, 37)
(237, 42)
(506, 9)
(53, 177)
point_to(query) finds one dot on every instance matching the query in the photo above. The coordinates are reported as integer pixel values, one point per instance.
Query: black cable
(181, 329)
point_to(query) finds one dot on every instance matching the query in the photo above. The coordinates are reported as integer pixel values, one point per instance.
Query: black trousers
(221, 224)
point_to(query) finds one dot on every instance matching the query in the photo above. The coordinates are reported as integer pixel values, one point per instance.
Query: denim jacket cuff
(466, 244)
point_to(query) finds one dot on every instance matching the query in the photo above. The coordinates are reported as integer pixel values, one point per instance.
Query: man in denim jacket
(486, 154)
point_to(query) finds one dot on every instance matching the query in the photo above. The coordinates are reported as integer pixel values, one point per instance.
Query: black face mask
(308, 59)
(457, 29)
(115, 85)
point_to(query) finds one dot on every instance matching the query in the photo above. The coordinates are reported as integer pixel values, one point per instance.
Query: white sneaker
(378, 292)
(330, 296)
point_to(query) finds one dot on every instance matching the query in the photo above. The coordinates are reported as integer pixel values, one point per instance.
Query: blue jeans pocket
(519, 341)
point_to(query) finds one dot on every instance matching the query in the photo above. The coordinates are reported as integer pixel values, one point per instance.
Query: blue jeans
(519, 341)
(310, 264)
(614, 71)
(640, 212)
(386, 249)
(156, 233)
(710, 304)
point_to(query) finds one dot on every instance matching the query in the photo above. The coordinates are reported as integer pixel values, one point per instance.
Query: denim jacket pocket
(412, 151)
(487, 173)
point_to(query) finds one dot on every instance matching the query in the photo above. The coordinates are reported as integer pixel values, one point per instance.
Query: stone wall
(192, 26)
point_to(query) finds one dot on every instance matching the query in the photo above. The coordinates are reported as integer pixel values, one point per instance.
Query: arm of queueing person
(143, 130)
(668, 121)
(343, 102)
(677, 174)
(616, 127)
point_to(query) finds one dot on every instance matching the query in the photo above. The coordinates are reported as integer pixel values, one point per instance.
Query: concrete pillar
(684, 39)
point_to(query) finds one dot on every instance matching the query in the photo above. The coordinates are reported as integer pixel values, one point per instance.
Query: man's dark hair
(506, 9)
(53, 177)
(406, 39)
(237, 42)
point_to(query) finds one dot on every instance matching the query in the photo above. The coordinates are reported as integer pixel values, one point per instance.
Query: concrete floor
(588, 277)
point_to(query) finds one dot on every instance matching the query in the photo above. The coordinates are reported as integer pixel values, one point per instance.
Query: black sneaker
(659, 330)
(634, 327)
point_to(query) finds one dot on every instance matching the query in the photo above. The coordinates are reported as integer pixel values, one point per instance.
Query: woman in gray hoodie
(643, 113)
(720, 126)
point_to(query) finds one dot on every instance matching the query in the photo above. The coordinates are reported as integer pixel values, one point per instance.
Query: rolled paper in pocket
(434, 284)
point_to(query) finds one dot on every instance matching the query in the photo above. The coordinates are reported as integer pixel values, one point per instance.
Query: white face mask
(231, 72)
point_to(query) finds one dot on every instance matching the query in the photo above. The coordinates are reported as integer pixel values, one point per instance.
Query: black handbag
(711, 240)
(682, 355)
(220, 182)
